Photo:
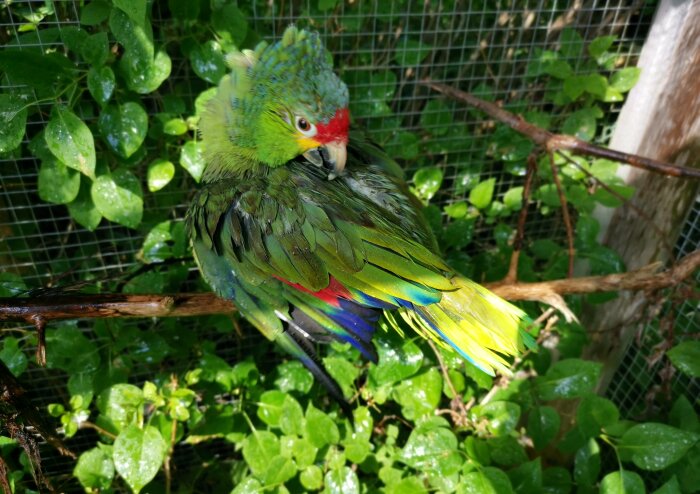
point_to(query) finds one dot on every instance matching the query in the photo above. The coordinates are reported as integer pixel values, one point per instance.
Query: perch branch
(561, 142)
(199, 304)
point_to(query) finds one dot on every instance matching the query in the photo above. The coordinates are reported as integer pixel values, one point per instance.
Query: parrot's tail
(479, 325)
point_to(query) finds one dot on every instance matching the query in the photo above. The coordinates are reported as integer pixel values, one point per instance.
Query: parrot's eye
(305, 127)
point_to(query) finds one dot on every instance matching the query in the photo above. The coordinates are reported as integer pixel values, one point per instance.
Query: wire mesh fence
(382, 50)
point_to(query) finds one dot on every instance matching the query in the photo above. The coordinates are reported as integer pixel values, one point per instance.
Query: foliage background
(102, 202)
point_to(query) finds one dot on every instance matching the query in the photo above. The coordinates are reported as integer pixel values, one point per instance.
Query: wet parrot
(310, 229)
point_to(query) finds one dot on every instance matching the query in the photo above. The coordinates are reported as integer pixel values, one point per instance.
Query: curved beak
(331, 155)
(337, 156)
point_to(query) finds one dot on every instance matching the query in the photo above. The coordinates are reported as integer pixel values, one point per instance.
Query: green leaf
(372, 85)
(341, 481)
(571, 43)
(501, 417)
(686, 357)
(184, 10)
(57, 183)
(207, 61)
(320, 428)
(506, 451)
(293, 376)
(399, 358)
(410, 52)
(655, 446)
(279, 470)
(118, 197)
(270, 407)
(175, 127)
(122, 405)
(569, 378)
(160, 173)
(13, 356)
(670, 487)
(624, 79)
(68, 349)
(427, 182)
(513, 198)
(482, 195)
(192, 160)
(101, 84)
(71, 141)
(527, 478)
(311, 478)
(14, 118)
(324, 5)
(40, 71)
(594, 413)
(124, 127)
(419, 395)
(95, 12)
(594, 84)
(403, 145)
(258, 450)
(457, 209)
(432, 450)
(83, 210)
(436, 117)
(165, 241)
(622, 482)
(138, 455)
(95, 49)
(581, 123)
(587, 464)
(343, 372)
(600, 45)
(135, 9)
(95, 469)
(145, 75)
(230, 24)
(248, 485)
(488, 480)
(683, 415)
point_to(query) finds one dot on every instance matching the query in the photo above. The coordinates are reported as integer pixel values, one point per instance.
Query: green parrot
(310, 228)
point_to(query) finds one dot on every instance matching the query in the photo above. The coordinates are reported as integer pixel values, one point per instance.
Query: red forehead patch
(336, 129)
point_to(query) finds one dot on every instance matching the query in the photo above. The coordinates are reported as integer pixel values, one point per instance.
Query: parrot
(311, 230)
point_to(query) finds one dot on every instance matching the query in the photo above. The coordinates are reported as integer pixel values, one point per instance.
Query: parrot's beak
(331, 155)
(337, 156)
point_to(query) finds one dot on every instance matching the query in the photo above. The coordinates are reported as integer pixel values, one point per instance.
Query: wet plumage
(313, 233)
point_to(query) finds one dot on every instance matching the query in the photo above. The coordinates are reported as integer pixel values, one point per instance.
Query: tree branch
(561, 142)
(199, 304)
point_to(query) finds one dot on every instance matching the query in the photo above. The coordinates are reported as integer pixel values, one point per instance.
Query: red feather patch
(330, 294)
(336, 129)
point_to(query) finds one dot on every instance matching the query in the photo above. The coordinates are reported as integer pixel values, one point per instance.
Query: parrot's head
(279, 102)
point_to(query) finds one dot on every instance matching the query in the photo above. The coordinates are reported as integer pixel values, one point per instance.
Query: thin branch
(561, 142)
(512, 275)
(565, 215)
(199, 304)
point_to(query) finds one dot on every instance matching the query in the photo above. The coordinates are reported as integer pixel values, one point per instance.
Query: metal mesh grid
(641, 377)
(480, 50)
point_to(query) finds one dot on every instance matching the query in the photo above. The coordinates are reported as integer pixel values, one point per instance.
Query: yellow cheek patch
(306, 143)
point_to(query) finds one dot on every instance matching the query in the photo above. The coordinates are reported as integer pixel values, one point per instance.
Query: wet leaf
(101, 83)
(594, 413)
(124, 127)
(67, 348)
(488, 480)
(159, 174)
(13, 356)
(501, 417)
(436, 117)
(686, 357)
(411, 52)
(83, 210)
(420, 394)
(57, 183)
(587, 464)
(622, 482)
(341, 481)
(427, 182)
(293, 376)
(71, 141)
(14, 118)
(192, 160)
(208, 61)
(138, 455)
(655, 446)
(258, 450)
(95, 469)
(118, 197)
(122, 405)
(569, 378)
(320, 428)
(624, 79)
(398, 359)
